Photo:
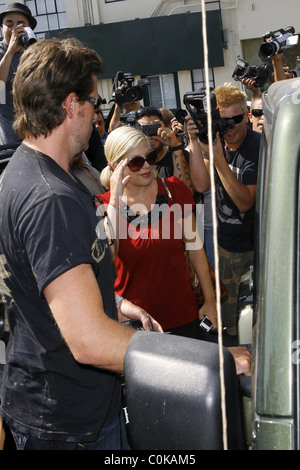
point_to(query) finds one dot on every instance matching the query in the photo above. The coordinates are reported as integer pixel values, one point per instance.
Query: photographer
(171, 156)
(115, 120)
(13, 21)
(236, 177)
(125, 95)
(274, 45)
(256, 115)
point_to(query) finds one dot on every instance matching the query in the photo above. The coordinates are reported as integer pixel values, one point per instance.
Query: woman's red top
(151, 268)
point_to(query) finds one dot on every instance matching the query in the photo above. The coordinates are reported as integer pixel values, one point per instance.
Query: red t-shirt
(151, 268)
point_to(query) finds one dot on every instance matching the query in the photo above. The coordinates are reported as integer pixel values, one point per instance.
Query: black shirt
(48, 226)
(234, 227)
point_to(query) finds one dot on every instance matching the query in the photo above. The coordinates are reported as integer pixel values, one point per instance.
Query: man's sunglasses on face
(95, 101)
(237, 118)
(257, 112)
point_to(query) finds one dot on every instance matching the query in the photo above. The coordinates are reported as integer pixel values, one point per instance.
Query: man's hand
(14, 45)
(167, 136)
(249, 83)
(217, 148)
(242, 359)
(177, 127)
(132, 106)
(191, 128)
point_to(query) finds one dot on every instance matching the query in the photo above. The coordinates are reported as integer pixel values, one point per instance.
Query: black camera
(28, 38)
(259, 73)
(150, 129)
(180, 115)
(125, 90)
(281, 39)
(196, 104)
(147, 129)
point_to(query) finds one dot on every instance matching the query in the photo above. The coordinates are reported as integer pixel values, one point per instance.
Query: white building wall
(249, 19)
(184, 83)
(256, 17)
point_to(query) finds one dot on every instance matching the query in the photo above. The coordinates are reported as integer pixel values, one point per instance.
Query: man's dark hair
(149, 111)
(48, 72)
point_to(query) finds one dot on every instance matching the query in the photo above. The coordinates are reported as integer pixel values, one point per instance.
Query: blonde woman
(151, 267)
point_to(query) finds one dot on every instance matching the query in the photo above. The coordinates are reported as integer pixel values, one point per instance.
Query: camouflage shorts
(232, 266)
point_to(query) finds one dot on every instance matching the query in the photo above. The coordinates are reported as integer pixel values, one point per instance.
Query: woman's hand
(209, 309)
(118, 183)
(128, 311)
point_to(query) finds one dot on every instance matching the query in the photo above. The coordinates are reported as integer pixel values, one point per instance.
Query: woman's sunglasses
(136, 163)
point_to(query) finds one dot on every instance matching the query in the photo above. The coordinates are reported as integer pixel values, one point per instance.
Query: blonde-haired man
(236, 161)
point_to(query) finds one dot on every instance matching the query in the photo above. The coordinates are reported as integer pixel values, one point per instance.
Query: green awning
(151, 46)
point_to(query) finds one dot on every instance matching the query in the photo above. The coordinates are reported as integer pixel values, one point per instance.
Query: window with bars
(50, 15)
(198, 79)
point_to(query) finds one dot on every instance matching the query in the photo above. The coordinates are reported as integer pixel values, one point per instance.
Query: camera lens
(268, 49)
(181, 115)
(131, 94)
(28, 38)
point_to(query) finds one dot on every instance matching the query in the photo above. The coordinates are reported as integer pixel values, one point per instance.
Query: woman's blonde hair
(228, 94)
(119, 142)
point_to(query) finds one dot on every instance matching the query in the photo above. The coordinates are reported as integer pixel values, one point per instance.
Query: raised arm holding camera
(274, 45)
(17, 22)
(126, 95)
(115, 120)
